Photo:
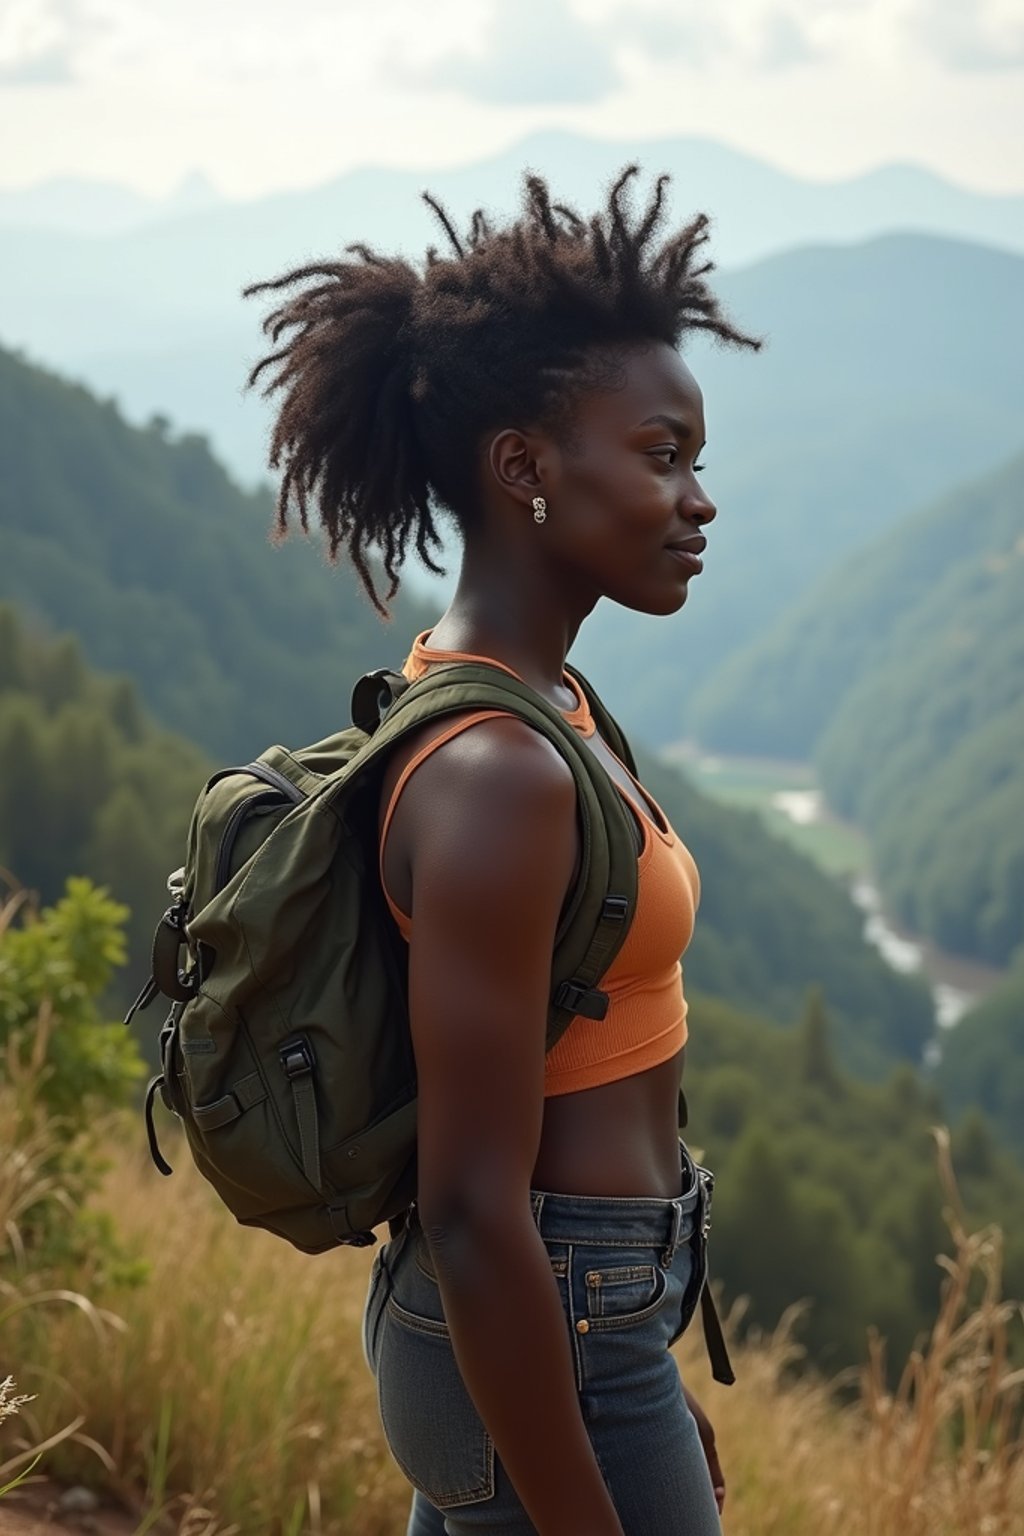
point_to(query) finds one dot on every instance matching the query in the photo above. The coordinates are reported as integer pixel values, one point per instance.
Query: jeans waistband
(644, 1219)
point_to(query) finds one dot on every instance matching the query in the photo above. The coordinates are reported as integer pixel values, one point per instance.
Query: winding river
(955, 983)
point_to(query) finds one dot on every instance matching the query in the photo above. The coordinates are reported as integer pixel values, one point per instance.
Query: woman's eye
(670, 455)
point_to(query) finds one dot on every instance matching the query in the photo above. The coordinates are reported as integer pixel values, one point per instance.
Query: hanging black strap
(145, 997)
(297, 1063)
(154, 1146)
(714, 1338)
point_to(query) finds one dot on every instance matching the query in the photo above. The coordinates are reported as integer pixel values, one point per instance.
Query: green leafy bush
(66, 1068)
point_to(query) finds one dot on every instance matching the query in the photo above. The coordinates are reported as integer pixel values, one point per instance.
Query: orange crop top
(646, 1019)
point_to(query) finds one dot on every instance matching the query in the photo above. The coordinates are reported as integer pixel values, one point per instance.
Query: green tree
(817, 1064)
(55, 964)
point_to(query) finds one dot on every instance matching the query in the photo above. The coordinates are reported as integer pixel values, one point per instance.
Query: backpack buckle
(615, 908)
(373, 696)
(588, 1001)
(296, 1058)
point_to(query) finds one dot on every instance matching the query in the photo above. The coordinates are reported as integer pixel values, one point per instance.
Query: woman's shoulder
(472, 751)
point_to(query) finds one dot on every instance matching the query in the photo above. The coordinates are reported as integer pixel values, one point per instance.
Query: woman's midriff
(620, 1138)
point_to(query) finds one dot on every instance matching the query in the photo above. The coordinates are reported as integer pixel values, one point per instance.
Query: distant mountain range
(758, 208)
(892, 370)
(75, 205)
(151, 311)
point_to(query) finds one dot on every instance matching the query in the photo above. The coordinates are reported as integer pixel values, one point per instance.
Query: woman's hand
(707, 1440)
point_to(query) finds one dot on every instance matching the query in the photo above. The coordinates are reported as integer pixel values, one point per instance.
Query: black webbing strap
(581, 994)
(297, 1064)
(714, 1338)
(154, 1146)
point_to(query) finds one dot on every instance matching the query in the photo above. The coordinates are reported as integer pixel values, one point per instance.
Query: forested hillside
(826, 1189)
(983, 1058)
(770, 924)
(902, 676)
(89, 784)
(891, 372)
(777, 695)
(927, 751)
(148, 552)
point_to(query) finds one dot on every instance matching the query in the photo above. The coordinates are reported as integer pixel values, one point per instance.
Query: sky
(260, 96)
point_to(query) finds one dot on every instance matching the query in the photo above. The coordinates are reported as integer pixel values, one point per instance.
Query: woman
(528, 382)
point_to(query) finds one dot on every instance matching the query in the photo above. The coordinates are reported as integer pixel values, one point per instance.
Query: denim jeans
(633, 1268)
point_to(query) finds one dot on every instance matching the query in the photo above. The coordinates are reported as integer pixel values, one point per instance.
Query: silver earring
(540, 509)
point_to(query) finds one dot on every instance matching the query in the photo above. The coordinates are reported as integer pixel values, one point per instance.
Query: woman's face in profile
(624, 485)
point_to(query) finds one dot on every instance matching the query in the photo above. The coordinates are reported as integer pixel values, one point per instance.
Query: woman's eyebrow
(673, 423)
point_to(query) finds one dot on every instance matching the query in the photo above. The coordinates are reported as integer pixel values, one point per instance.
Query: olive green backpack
(287, 1053)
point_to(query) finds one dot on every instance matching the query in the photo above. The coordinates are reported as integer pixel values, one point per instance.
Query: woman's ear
(519, 462)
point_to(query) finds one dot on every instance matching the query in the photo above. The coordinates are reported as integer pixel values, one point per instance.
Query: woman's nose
(702, 508)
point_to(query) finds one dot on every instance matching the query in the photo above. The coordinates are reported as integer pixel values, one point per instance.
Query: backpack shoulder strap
(601, 905)
(607, 725)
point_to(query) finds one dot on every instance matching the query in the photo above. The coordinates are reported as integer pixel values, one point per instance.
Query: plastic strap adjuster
(615, 908)
(576, 998)
(296, 1058)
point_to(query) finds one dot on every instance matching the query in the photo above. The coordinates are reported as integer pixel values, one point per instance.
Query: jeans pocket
(624, 1296)
(621, 1291)
(431, 1426)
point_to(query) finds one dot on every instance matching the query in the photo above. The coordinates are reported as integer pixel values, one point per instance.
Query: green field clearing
(834, 845)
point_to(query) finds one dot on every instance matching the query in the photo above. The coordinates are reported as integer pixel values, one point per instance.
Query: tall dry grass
(239, 1381)
(239, 1378)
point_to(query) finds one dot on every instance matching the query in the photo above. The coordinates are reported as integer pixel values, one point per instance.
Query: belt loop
(673, 1241)
(536, 1206)
(688, 1167)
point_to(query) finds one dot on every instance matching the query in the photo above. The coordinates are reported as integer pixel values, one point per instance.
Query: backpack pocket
(174, 1083)
(239, 1143)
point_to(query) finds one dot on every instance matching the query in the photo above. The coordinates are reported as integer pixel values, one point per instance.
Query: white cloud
(537, 51)
(772, 34)
(262, 96)
(42, 42)
(766, 34)
(972, 35)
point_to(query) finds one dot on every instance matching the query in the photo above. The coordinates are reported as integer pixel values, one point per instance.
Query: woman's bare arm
(490, 822)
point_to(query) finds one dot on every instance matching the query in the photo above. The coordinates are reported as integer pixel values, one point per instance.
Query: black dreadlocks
(392, 376)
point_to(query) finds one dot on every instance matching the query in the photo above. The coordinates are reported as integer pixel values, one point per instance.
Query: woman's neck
(514, 620)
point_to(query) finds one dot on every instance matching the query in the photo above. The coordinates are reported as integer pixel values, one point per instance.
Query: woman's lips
(689, 558)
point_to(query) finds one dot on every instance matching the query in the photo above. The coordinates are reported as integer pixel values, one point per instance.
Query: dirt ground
(34, 1510)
